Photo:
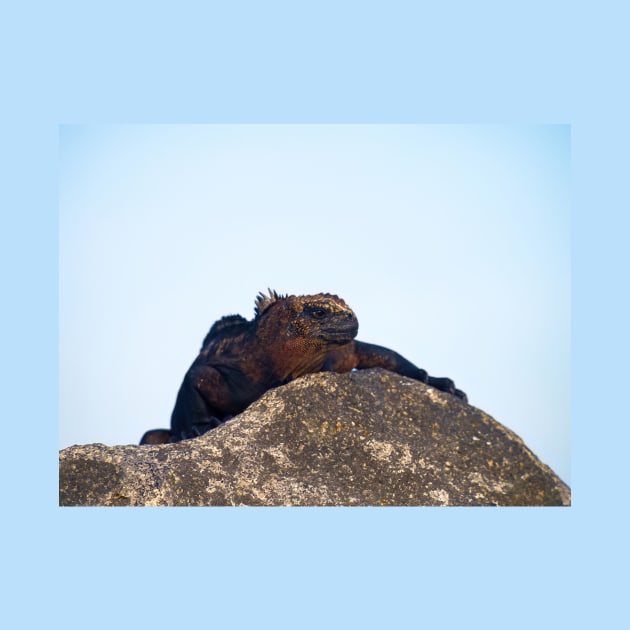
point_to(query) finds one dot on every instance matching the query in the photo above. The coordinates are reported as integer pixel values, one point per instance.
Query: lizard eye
(318, 313)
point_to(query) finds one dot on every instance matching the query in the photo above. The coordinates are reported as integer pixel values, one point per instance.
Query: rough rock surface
(362, 438)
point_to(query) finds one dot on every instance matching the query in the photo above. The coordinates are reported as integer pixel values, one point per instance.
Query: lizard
(288, 337)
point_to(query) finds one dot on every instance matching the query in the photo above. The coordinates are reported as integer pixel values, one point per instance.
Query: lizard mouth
(340, 334)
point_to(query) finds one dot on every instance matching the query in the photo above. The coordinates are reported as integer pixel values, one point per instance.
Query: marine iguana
(289, 336)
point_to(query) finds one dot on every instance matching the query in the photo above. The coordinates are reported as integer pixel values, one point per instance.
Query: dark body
(289, 336)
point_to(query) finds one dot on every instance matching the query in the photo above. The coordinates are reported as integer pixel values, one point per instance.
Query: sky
(450, 242)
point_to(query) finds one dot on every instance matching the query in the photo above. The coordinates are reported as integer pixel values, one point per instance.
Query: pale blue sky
(451, 243)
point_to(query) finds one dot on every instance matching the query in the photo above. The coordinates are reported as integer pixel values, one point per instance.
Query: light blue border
(303, 62)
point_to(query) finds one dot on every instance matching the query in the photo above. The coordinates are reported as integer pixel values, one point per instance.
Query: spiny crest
(263, 302)
(333, 302)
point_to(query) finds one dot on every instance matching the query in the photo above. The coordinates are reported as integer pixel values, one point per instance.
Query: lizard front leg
(368, 355)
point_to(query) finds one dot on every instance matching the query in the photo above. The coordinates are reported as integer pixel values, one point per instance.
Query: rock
(362, 438)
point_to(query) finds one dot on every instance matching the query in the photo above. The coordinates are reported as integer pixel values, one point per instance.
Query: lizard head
(323, 318)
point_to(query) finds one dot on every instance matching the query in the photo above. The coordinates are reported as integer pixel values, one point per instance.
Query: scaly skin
(289, 336)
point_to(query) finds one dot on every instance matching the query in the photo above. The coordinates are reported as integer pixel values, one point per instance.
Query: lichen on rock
(362, 438)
